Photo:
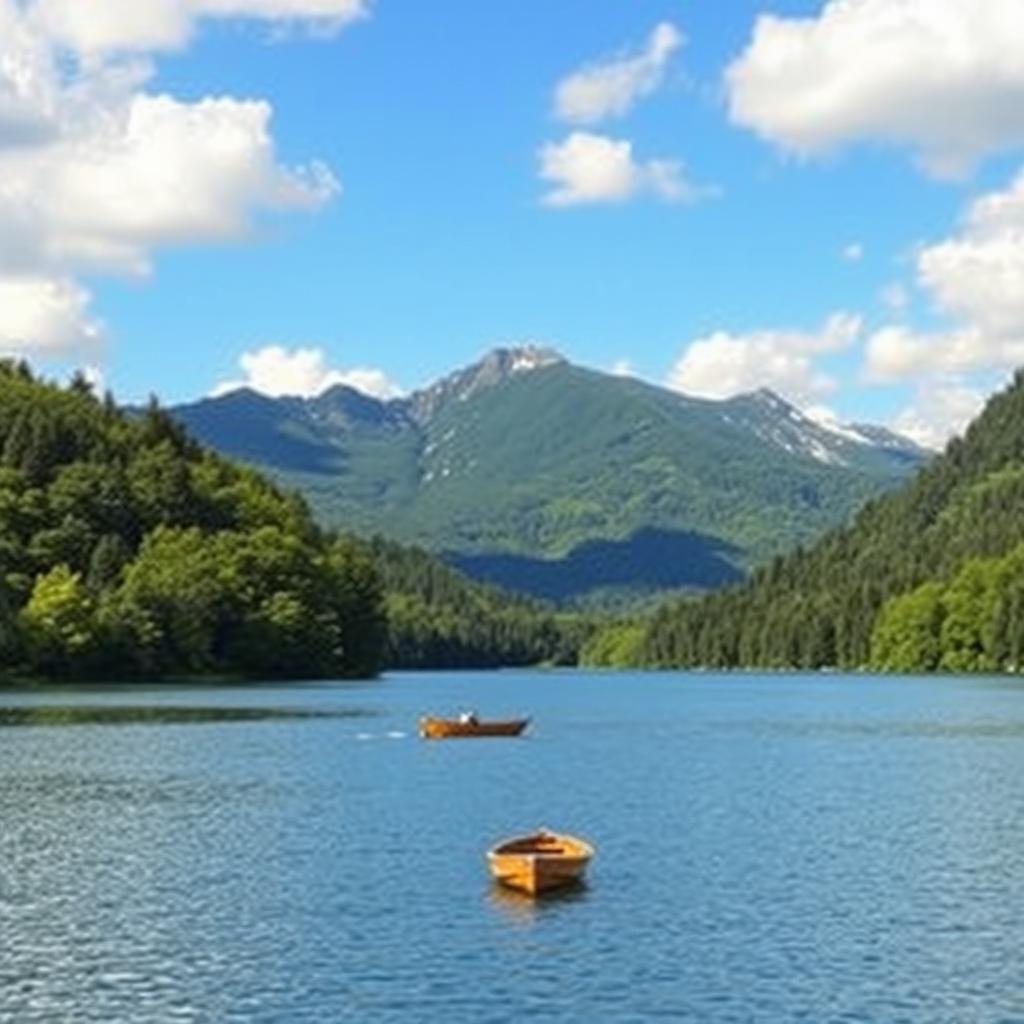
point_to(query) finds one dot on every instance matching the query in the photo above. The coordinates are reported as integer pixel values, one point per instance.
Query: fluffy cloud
(276, 371)
(96, 172)
(46, 315)
(899, 353)
(978, 275)
(151, 25)
(940, 410)
(157, 172)
(589, 168)
(27, 91)
(722, 364)
(612, 88)
(976, 278)
(853, 253)
(943, 77)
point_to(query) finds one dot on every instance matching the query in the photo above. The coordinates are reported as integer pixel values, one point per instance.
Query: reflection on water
(523, 909)
(109, 714)
(881, 728)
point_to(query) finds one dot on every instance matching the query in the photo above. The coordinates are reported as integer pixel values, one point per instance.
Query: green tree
(970, 604)
(107, 561)
(906, 637)
(357, 600)
(169, 602)
(59, 626)
(616, 646)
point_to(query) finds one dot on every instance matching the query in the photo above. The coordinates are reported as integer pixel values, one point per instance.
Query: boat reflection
(523, 909)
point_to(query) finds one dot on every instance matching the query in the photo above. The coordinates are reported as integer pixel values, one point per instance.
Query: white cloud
(721, 364)
(942, 77)
(276, 371)
(623, 368)
(853, 253)
(589, 168)
(611, 88)
(158, 172)
(26, 81)
(978, 275)
(151, 25)
(96, 172)
(976, 278)
(49, 316)
(896, 353)
(940, 410)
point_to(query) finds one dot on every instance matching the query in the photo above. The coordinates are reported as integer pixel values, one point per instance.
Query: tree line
(129, 551)
(930, 576)
(439, 618)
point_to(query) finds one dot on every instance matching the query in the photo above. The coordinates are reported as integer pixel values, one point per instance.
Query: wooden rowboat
(453, 728)
(539, 862)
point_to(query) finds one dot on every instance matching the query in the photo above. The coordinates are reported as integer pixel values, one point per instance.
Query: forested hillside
(438, 618)
(128, 551)
(564, 483)
(931, 576)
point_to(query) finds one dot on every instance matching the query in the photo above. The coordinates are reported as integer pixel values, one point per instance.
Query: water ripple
(758, 859)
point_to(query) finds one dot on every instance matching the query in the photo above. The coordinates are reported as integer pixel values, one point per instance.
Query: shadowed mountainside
(663, 560)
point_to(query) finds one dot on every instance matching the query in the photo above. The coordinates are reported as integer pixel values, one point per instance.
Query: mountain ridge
(501, 362)
(525, 454)
(928, 577)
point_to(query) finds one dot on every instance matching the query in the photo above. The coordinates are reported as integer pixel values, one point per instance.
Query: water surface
(777, 849)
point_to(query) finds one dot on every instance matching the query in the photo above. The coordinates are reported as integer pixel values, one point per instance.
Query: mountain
(930, 576)
(560, 481)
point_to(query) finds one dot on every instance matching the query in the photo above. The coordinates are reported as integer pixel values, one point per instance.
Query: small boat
(453, 728)
(541, 861)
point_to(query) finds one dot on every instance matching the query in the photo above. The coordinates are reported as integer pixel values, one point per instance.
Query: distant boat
(541, 861)
(455, 728)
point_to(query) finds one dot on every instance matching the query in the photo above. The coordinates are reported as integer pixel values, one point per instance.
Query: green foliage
(931, 576)
(437, 618)
(906, 637)
(357, 596)
(126, 549)
(969, 605)
(9, 634)
(58, 625)
(616, 646)
(973, 622)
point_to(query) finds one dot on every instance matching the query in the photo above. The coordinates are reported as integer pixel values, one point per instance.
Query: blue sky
(419, 182)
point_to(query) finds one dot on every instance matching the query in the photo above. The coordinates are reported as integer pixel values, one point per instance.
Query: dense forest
(129, 551)
(931, 576)
(438, 618)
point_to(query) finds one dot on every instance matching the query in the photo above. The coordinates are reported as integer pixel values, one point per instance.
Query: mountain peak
(520, 359)
(494, 367)
(766, 397)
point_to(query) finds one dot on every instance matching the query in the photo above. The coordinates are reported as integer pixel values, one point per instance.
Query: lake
(770, 848)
